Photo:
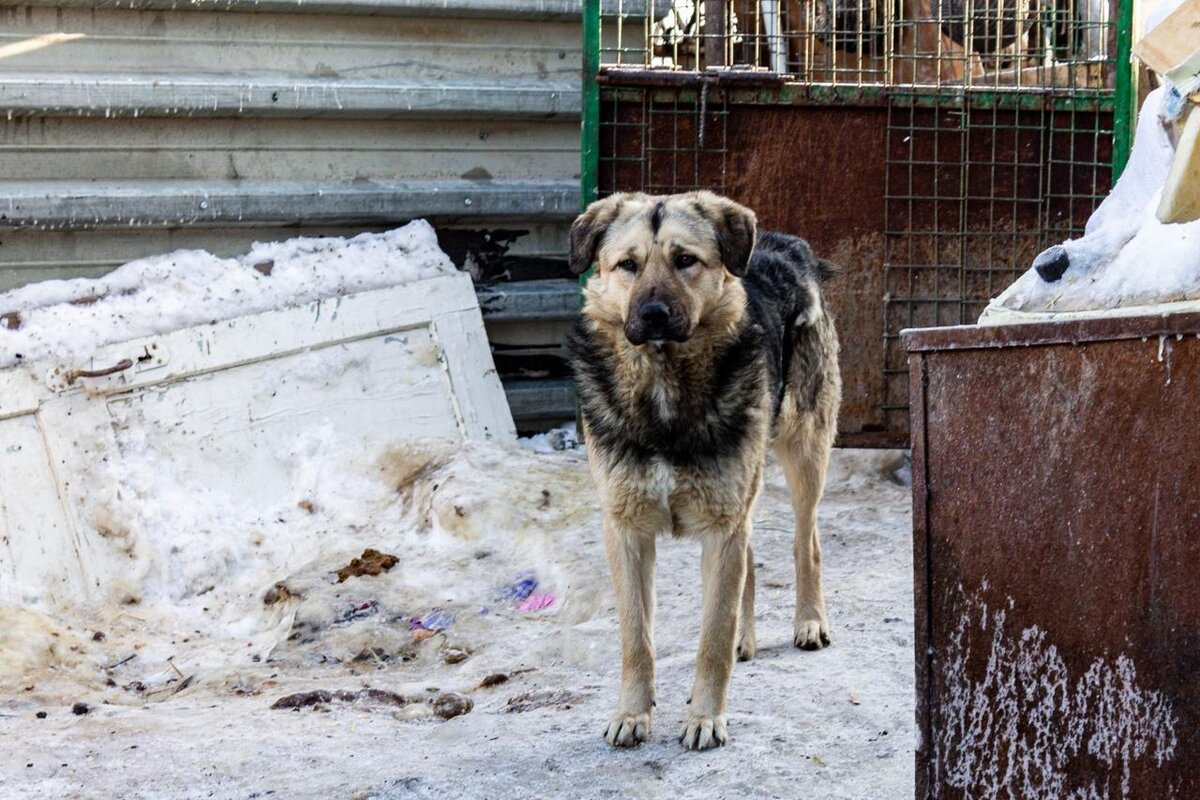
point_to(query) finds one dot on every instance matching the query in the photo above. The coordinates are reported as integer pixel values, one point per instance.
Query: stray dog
(697, 348)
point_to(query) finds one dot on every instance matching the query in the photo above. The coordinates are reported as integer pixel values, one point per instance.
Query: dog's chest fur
(685, 406)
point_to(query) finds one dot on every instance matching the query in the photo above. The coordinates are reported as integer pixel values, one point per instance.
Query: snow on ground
(179, 680)
(70, 319)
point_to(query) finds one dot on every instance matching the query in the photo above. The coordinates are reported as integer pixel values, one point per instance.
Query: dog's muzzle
(653, 321)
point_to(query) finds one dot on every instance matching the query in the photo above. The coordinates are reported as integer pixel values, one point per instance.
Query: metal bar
(589, 145)
(625, 76)
(590, 133)
(1125, 112)
(561, 10)
(541, 400)
(53, 94)
(1100, 329)
(80, 205)
(529, 301)
(713, 32)
(741, 88)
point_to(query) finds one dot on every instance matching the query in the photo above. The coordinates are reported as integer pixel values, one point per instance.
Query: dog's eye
(628, 264)
(685, 260)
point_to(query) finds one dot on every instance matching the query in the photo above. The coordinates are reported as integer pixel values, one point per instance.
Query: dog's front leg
(723, 570)
(631, 560)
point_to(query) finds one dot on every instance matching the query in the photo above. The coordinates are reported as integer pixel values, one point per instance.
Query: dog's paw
(746, 647)
(628, 730)
(704, 733)
(811, 634)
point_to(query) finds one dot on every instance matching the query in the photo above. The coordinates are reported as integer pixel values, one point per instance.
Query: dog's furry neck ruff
(680, 401)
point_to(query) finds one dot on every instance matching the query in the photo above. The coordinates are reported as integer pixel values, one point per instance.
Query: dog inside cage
(1001, 43)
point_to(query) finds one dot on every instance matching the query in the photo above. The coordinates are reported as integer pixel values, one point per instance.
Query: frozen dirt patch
(179, 686)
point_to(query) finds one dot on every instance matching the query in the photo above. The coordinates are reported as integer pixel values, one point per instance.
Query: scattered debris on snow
(554, 440)
(499, 704)
(371, 562)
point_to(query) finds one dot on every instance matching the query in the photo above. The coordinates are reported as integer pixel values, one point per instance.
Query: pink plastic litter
(536, 602)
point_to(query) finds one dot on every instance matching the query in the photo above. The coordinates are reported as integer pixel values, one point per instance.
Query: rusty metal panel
(1056, 514)
(781, 165)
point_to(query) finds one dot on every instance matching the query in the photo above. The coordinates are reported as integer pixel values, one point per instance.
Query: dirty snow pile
(70, 319)
(430, 619)
(1126, 257)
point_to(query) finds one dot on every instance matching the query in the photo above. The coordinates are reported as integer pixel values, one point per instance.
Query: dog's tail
(827, 270)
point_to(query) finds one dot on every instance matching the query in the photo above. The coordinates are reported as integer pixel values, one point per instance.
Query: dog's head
(665, 264)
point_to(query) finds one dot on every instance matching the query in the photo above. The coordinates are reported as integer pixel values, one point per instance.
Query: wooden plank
(473, 378)
(29, 254)
(1174, 42)
(82, 452)
(33, 569)
(84, 204)
(219, 411)
(296, 45)
(318, 149)
(355, 396)
(526, 301)
(183, 354)
(20, 392)
(542, 400)
(561, 10)
(1181, 193)
(208, 94)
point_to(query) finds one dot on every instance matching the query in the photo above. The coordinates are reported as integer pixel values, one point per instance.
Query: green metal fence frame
(1125, 113)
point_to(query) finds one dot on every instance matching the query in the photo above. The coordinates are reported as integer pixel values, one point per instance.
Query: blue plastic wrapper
(436, 620)
(522, 586)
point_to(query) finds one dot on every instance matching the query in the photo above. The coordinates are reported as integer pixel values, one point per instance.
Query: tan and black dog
(697, 349)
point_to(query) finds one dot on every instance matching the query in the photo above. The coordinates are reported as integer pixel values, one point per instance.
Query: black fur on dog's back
(709, 421)
(782, 292)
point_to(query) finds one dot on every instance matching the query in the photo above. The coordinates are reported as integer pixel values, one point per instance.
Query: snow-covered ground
(179, 685)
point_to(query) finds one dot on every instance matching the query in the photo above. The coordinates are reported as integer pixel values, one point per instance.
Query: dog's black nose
(654, 314)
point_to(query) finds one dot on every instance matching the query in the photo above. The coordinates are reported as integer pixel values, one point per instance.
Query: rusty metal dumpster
(1056, 515)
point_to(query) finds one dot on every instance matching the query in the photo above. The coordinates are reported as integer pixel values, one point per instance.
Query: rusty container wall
(1057, 559)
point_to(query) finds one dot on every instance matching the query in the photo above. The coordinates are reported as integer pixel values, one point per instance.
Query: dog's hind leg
(747, 643)
(631, 556)
(723, 571)
(803, 448)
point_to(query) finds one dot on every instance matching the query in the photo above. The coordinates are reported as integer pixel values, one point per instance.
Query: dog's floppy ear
(588, 229)
(735, 226)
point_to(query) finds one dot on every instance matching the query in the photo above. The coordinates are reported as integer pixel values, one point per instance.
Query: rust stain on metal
(781, 165)
(120, 366)
(1055, 555)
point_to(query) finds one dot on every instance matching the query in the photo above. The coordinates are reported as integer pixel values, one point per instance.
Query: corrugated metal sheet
(133, 127)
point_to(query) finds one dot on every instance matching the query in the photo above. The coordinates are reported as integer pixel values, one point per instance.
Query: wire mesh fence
(1001, 122)
(1065, 44)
